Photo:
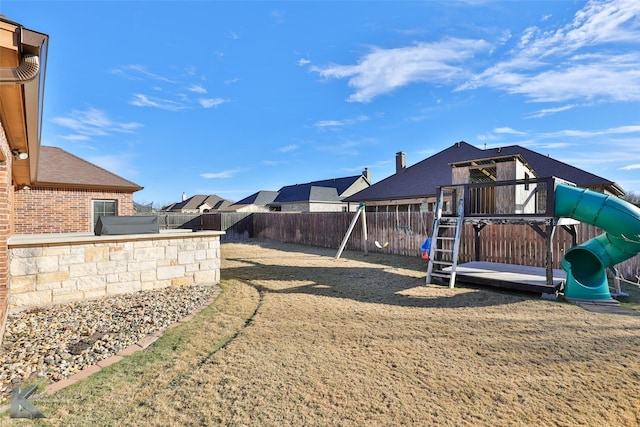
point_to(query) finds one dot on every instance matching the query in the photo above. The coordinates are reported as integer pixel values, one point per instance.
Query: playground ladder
(444, 246)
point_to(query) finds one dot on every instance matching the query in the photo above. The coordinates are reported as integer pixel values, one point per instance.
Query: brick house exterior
(61, 198)
(23, 55)
(6, 196)
(42, 189)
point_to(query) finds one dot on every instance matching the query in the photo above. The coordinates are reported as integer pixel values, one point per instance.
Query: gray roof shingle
(305, 192)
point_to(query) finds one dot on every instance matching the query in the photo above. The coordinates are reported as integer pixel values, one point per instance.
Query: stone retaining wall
(46, 269)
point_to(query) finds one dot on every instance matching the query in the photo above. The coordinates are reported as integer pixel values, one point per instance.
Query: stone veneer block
(31, 299)
(25, 283)
(55, 277)
(171, 272)
(148, 254)
(95, 254)
(123, 288)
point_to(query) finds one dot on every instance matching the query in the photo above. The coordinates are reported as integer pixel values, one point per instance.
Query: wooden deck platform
(509, 276)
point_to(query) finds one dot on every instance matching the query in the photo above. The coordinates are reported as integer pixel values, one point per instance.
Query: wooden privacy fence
(405, 233)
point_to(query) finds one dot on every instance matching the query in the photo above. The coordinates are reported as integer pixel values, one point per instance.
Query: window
(103, 208)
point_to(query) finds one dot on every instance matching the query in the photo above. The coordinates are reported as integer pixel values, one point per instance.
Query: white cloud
(574, 133)
(554, 65)
(75, 137)
(211, 102)
(197, 88)
(92, 122)
(219, 175)
(546, 111)
(509, 131)
(302, 62)
(630, 167)
(139, 72)
(383, 70)
(288, 148)
(340, 123)
(140, 100)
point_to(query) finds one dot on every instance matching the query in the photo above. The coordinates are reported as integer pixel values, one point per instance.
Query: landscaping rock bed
(55, 343)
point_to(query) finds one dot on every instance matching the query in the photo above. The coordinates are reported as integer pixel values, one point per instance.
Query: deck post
(477, 228)
(549, 262)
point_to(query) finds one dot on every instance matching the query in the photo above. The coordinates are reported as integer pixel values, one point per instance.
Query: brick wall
(6, 191)
(45, 210)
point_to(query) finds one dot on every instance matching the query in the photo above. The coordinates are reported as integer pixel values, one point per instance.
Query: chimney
(401, 162)
(184, 196)
(367, 175)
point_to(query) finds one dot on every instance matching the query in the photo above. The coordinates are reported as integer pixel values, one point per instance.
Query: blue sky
(228, 98)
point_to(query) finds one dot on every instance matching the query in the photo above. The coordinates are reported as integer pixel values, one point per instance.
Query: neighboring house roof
(260, 198)
(328, 190)
(423, 178)
(194, 203)
(59, 169)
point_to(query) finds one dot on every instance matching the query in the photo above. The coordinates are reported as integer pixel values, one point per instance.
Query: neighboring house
(198, 204)
(320, 196)
(415, 188)
(69, 194)
(317, 196)
(257, 202)
(23, 54)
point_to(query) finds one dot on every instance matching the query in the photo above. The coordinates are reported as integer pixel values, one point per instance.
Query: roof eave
(25, 136)
(88, 187)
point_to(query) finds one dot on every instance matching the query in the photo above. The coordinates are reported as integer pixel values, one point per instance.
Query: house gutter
(30, 74)
(25, 72)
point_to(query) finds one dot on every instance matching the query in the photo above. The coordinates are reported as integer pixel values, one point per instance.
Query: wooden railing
(524, 197)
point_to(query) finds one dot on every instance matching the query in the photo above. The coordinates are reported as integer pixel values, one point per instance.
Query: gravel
(56, 342)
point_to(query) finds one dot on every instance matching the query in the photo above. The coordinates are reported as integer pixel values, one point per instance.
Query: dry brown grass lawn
(360, 341)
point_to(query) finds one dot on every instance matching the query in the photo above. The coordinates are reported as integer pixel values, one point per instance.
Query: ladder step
(442, 275)
(441, 225)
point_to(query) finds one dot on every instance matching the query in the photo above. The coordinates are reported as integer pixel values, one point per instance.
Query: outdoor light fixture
(25, 187)
(20, 155)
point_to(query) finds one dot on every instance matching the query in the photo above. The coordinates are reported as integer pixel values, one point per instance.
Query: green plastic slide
(586, 263)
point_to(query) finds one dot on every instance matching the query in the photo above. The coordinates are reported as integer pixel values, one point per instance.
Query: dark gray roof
(194, 202)
(323, 194)
(304, 192)
(259, 198)
(423, 178)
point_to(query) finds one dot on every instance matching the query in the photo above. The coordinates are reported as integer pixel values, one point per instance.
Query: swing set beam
(359, 212)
